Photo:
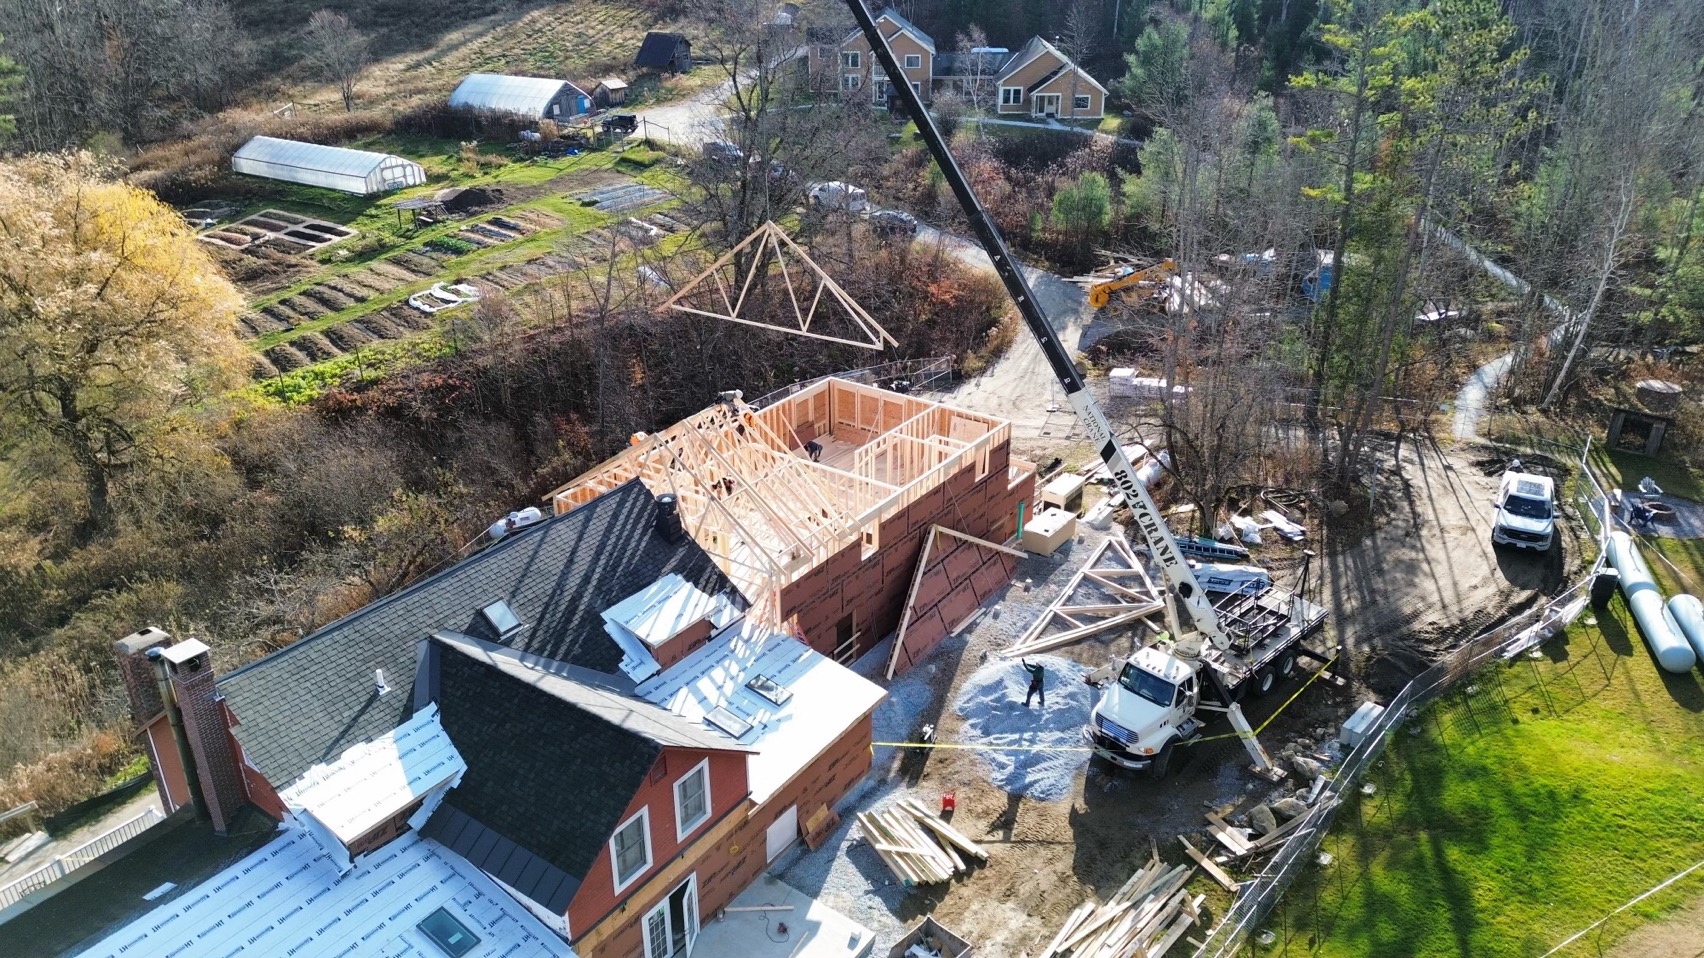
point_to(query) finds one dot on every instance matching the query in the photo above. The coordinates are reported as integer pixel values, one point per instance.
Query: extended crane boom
(1184, 589)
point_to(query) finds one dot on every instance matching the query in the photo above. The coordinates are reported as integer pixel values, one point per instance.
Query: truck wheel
(1264, 681)
(1287, 665)
(1162, 761)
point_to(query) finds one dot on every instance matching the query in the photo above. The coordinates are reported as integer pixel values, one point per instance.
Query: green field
(1525, 805)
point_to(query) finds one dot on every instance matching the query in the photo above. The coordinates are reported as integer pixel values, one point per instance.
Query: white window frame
(684, 828)
(914, 61)
(1082, 101)
(1014, 101)
(916, 88)
(1037, 101)
(850, 82)
(643, 816)
(691, 917)
(851, 60)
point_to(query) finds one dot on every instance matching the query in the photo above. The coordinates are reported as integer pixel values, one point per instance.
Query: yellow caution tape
(1269, 719)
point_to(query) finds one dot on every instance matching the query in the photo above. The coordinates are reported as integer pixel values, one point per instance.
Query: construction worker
(1037, 686)
(813, 449)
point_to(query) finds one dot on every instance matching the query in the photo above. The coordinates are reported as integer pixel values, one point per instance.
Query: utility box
(1123, 382)
(1050, 529)
(931, 939)
(1065, 492)
(1360, 724)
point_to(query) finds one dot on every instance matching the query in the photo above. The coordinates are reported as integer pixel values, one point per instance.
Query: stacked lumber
(1241, 843)
(919, 847)
(1144, 918)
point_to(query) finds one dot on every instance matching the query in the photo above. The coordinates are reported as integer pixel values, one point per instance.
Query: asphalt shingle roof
(552, 763)
(311, 701)
(658, 49)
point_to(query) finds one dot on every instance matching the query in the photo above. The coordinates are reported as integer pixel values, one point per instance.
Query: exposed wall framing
(750, 495)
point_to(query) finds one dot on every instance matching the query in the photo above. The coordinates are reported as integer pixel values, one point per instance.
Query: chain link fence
(1585, 503)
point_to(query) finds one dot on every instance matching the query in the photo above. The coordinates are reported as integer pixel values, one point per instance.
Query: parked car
(835, 195)
(718, 151)
(893, 223)
(1526, 510)
(620, 123)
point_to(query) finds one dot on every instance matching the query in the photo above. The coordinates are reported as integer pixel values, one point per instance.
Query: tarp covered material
(525, 96)
(332, 167)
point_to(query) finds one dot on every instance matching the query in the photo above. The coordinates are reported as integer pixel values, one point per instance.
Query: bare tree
(337, 52)
(977, 74)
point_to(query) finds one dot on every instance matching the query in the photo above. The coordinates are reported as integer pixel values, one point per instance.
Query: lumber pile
(1144, 918)
(918, 846)
(1110, 590)
(1242, 843)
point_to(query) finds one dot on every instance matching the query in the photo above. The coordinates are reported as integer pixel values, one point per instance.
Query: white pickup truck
(1526, 510)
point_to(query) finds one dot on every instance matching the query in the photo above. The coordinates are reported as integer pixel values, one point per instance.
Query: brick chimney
(138, 673)
(188, 668)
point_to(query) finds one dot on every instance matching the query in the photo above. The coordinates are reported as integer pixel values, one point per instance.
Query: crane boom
(1185, 590)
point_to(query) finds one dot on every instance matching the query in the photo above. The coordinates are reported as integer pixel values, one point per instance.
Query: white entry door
(783, 832)
(671, 927)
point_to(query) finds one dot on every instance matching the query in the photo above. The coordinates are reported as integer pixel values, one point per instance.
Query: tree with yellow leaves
(111, 317)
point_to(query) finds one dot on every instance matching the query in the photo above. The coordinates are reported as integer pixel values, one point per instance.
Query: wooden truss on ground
(1110, 590)
(773, 244)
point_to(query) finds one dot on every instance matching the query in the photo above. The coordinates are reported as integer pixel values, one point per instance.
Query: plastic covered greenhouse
(531, 97)
(331, 167)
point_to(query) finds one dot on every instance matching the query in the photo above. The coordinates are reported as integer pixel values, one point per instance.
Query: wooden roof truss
(803, 279)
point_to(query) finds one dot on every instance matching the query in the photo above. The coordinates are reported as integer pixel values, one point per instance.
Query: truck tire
(1287, 665)
(1264, 681)
(1162, 760)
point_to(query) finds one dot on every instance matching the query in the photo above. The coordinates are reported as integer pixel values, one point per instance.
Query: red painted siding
(727, 867)
(728, 791)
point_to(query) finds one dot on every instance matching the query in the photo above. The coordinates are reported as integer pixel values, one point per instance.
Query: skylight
(770, 689)
(450, 935)
(727, 721)
(501, 617)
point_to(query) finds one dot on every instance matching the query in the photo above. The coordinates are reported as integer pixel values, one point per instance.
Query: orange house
(1043, 82)
(850, 67)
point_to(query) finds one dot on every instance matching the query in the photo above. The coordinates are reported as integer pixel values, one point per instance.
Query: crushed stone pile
(991, 703)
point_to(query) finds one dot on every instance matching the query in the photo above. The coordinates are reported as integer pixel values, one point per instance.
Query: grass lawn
(1524, 806)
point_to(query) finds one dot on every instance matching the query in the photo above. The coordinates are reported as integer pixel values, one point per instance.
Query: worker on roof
(1037, 684)
(813, 449)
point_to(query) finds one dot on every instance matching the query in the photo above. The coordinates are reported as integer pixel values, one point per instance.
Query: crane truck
(1212, 655)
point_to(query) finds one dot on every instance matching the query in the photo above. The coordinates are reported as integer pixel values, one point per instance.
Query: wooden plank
(1217, 873)
(981, 542)
(1077, 916)
(940, 827)
(910, 600)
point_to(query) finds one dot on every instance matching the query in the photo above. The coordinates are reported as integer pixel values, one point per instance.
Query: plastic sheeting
(332, 167)
(1646, 601)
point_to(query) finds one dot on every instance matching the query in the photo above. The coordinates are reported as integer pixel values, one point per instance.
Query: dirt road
(1426, 576)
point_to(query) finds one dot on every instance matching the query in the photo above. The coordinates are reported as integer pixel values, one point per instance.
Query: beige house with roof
(850, 67)
(1042, 81)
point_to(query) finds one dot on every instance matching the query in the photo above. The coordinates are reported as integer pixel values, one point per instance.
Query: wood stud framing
(762, 509)
(1110, 590)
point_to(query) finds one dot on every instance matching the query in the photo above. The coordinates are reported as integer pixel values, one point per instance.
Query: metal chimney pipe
(192, 777)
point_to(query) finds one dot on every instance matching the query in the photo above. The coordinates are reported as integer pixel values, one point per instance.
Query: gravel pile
(991, 702)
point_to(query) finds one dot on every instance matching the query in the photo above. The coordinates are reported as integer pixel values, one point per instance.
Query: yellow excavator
(1100, 293)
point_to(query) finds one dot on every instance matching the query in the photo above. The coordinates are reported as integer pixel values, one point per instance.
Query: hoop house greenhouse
(331, 167)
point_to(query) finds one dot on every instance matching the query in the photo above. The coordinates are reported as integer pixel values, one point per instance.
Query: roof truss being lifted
(805, 282)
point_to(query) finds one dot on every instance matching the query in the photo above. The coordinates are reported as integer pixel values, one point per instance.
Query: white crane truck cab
(1526, 510)
(1145, 711)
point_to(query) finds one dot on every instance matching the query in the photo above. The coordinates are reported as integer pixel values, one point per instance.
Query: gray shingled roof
(552, 762)
(310, 701)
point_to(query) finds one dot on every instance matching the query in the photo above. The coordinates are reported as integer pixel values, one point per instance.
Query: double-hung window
(692, 800)
(630, 849)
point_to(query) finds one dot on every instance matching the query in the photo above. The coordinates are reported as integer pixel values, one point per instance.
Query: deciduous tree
(337, 51)
(111, 317)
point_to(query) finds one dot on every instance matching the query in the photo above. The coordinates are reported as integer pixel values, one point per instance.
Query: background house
(535, 98)
(665, 51)
(1039, 80)
(848, 66)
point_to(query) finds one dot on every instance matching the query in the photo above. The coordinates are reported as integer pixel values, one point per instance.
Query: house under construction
(827, 545)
